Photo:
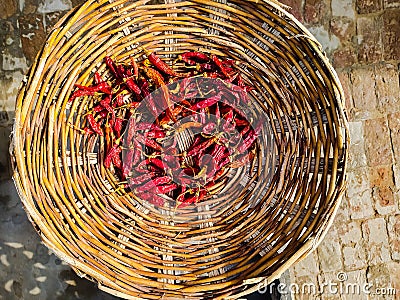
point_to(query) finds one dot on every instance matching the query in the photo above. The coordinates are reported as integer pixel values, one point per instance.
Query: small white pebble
(41, 278)
(14, 245)
(8, 285)
(39, 266)
(28, 254)
(71, 282)
(35, 291)
(3, 260)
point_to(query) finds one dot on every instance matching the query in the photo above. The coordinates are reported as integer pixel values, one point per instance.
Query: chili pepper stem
(121, 187)
(151, 155)
(76, 128)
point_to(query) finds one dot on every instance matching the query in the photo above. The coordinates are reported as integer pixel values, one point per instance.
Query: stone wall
(362, 39)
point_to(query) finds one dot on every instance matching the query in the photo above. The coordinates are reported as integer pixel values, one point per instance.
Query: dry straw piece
(268, 215)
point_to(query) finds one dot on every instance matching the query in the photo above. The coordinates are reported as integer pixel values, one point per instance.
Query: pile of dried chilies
(143, 109)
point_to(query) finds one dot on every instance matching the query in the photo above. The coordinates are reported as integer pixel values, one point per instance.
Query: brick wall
(362, 39)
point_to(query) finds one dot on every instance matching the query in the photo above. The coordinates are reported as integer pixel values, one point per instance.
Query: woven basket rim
(21, 172)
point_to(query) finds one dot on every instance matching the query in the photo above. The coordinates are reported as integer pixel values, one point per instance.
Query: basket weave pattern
(222, 247)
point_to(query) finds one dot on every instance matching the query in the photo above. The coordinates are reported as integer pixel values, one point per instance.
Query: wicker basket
(224, 247)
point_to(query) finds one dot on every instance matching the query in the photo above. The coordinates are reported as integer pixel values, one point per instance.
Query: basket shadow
(28, 269)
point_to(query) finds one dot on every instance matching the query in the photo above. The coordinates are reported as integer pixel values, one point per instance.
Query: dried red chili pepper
(133, 105)
(113, 152)
(103, 114)
(219, 153)
(131, 132)
(240, 81)
(196, 142)
(128, 162)
(93, 124)
(88, 130)
(121, 71)
(183, 86)
(105, 103)
(98, 108)
(209, 128)
(202, 116)
(247, 89)
(148, 142)
(111, 66)
(217, 113)
(154, 76)
(97, 78)
(222, 163)
(135, 67)
(144, 87)
(240, 122)
(147, 126)
(205, 67)
(133, 87)
(192, 57)
(138, 154)
(208, 162)
(165, 189)
(142, 178)
(206, 102)
(248, 142)
(183, 178)
(245, 130)
(229, 62)
(118, 126)
(160, 64)
(228, 125)
(143, 164)
(103, 87)
(220, 65)
(149, 168)
(199, 149)
(108, 137)
(172, 162)
(158, 80)
(153, 183)
(116, 160)
(232, 77)
(80, 93)
(156, 162)
(181, 196)
(155, 134)
(119, 101)
(224, 153)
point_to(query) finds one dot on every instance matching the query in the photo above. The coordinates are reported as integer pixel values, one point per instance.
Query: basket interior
(261, 217)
